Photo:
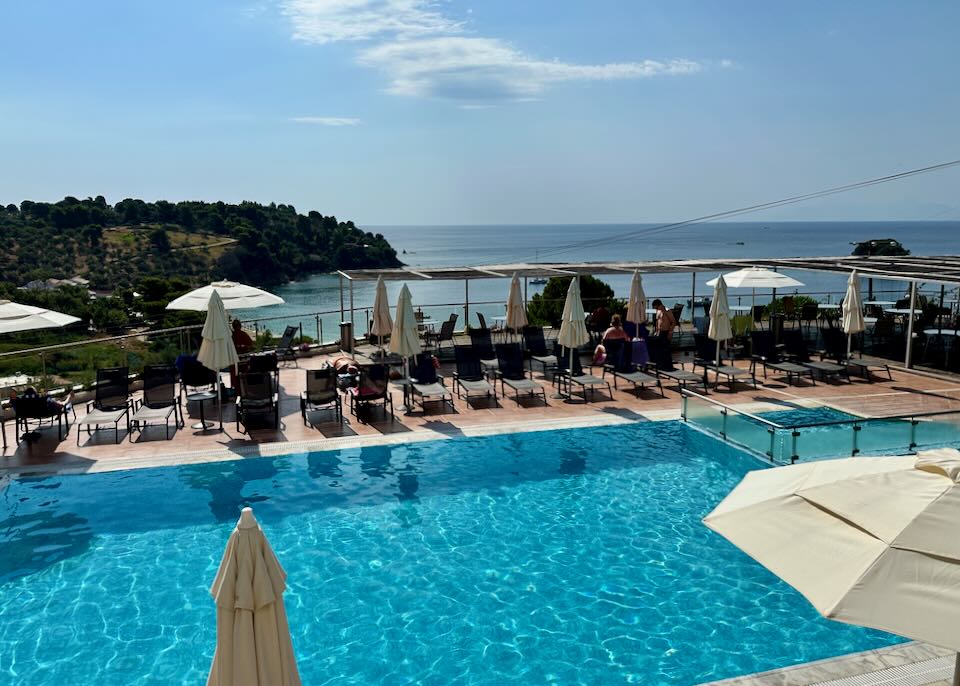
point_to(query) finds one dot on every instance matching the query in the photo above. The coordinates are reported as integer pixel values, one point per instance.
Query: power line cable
(663, 228)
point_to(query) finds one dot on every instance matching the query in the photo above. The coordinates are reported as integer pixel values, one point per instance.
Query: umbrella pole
(219, 401)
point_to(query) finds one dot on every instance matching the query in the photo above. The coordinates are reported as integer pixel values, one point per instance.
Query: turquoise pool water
(567, 557)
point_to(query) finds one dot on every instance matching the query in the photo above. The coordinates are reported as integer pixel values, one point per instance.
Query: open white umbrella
(516, 309)
(573, 325)
(217, 350)
(253, 636)
(720, 328)
(757, 277)
(15, 317)
(868, 541)
(382, 323)
(852, 310)
(637, 304)
(235, 296)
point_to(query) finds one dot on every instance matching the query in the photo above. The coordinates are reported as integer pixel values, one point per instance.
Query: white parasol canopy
(868, 541)
(637, 305)
(573, 324)
(235, 296)
(217, 350)
(756, 277)
(382, 323)
(405, 340)
(720, 328)
(516, 310)
(15, 317)
(253, 636)
(852, 321)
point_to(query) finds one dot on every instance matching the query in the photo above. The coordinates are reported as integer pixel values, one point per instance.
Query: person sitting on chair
(241, 339)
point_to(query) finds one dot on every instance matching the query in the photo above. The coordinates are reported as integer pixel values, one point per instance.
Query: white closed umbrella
(254, 647)
(573, 325)
(235, 296)
(405, 339)
(852, 310)
(757, 277)
(217, 350)
(868, 541)
(637, 304)
(15, 317)
(720, 328)
(382, 323)
(516, 309)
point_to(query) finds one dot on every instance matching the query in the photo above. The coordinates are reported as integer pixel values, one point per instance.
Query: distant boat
(880, 247)
(740, 243)
(538, 282)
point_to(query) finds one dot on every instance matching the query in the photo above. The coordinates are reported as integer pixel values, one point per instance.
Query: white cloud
(485, 69)
(327, 121)
(325, 21)
(424, 53)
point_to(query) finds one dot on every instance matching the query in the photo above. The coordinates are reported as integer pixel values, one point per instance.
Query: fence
(787, 443)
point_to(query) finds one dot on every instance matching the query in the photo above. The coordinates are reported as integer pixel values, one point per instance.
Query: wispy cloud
(325, 21)
(484, 69)
(326, 121)
(424, 53)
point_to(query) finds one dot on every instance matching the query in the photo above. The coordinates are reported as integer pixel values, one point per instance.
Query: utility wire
(663, 228)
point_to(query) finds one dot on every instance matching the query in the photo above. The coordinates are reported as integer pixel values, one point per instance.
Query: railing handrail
(833, 422)
(104, 339)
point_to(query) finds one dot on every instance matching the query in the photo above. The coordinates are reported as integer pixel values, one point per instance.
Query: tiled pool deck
(906, 392)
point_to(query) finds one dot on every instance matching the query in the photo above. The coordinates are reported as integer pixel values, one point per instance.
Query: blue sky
(411, 111)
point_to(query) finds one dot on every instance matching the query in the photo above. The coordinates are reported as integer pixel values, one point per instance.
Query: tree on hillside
(545, 309)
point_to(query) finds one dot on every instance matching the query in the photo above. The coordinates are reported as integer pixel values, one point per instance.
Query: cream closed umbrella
(405, 339)
(516, 309)
(253, 637)
(382, 323)
(217, 350)
(720, 328)
(852, 321)
(573, 325)
(235, 296)
(868, 541)
(637, 304)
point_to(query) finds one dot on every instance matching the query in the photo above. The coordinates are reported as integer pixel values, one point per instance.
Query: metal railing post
(856, 433)
(723, 423)
(319, 337)
(913, 433)
(794, 456)
(908, 357)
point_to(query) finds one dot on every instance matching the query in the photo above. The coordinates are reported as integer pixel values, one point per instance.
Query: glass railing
(785, 444)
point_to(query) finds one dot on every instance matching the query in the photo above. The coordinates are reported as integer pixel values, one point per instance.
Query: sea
(314, 303)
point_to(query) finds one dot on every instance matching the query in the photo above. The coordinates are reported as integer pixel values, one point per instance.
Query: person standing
(665, 325)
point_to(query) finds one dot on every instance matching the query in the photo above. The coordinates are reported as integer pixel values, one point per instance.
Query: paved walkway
(906, 392)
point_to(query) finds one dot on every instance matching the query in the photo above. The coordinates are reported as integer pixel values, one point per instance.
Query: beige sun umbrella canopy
(516, 309)
(254, 647)
(235, 296)
(217, 350)
(852, 320)
(756, 277)
(868, 541)
(720, 328)
(637, 304)
(382, 323)
(15, 317)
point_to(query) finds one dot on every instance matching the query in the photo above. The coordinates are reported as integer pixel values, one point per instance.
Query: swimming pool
(566, 557)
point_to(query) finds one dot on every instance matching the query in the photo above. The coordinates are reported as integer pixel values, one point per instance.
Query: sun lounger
(111, 402)
(257, 395)
(623, 369)
(160, 400)
(427, 384)
(537, 348)
(835, 348)
(469, 379)
(482, 344)
(576, 376)
(511, 372)
(372, 385)
(321, 393)
(829, 369)
(705, 357)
